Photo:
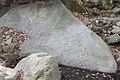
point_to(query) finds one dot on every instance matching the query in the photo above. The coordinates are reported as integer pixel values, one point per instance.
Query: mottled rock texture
(40, 66)
(52, 29)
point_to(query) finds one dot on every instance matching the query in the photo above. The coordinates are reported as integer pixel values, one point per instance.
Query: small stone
(118, 60)
(0, 50)
(1, 38)
(118, 23)
(116, 10)
(113, 38)
(105, 21)
(9, 48)
(112, 15)
(96, 29)
(8, 41)
(8, 36)
(90, 26)
(109, 24)
(91, 3)
(87, 22)
(116, 29)
(97, 21)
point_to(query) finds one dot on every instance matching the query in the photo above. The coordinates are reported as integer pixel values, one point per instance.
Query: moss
(106, 4)
(0, 50)
(95, 14)
(74, 6)
(89, 4)
(1, 38)
(9, 48)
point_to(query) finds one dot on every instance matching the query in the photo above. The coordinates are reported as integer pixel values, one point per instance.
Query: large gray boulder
(52, 29)
(40, 66)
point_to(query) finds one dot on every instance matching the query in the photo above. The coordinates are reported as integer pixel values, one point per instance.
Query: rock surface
(7, 74)
(39, 66)
(118, 23)
(116, 29)
(116, 10)
(52, 29)
(113, 38)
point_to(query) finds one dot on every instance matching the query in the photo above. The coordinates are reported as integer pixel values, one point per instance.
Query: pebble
(116, 10)
(1, 39)
(113, 38)
(118, 60)
(116, 29)
(90, 26)
(118, 23)
(9, 41)
(0, 50)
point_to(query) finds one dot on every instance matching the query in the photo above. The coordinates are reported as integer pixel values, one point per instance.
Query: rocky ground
(10, 40)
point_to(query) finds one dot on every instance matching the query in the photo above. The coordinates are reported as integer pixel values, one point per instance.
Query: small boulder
(105, 4)
(0, 50)
(116, 10)
(7, 73)
(1, 38)
(40, 66)
(113, 38)
(118, 23)
(116, 29)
